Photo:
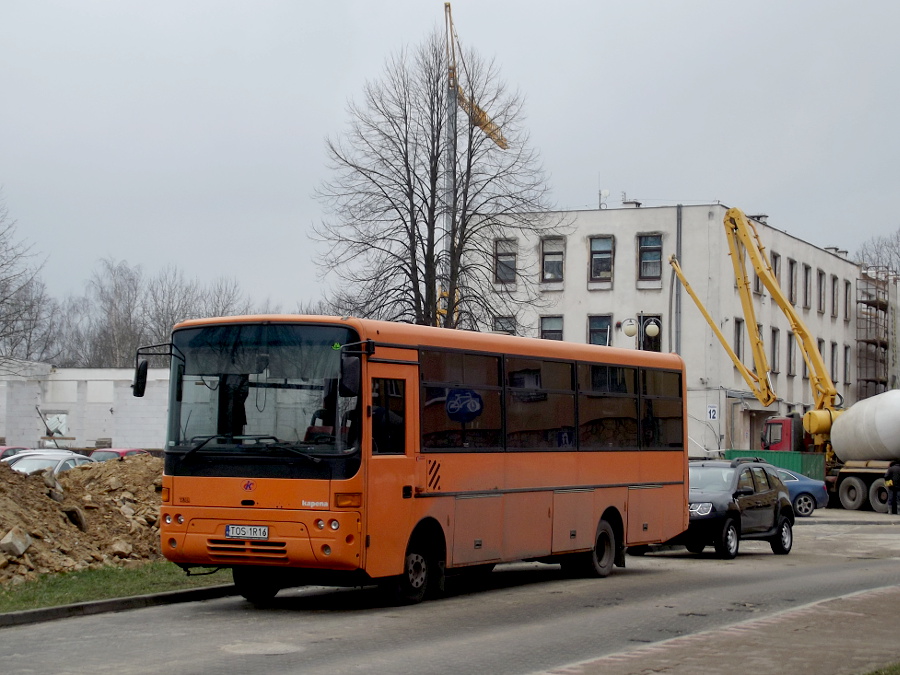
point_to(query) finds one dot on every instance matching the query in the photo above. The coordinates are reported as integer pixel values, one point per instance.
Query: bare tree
(881, 251)
(415, 210)
(25, 309)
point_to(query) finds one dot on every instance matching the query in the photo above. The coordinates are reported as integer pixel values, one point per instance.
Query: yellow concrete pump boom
(477, 116)
(744, 242)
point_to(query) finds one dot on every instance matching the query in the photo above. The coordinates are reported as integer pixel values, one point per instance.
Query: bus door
(392, 430)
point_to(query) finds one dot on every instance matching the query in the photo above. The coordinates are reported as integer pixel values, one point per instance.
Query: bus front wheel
(256, 585)
(421, 575)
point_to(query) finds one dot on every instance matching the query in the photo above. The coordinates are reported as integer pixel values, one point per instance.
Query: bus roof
(413, 335)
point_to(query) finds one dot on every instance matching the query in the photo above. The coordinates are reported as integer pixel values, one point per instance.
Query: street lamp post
(641, 327)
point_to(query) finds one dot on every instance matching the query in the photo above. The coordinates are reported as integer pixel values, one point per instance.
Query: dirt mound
(93, 515)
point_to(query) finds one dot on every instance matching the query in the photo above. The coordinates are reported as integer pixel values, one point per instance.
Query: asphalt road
(525, 618)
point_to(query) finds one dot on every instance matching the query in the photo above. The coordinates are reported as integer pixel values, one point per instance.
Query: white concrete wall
(97, 403)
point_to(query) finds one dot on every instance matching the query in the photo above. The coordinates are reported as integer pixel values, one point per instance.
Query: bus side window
(388, 416)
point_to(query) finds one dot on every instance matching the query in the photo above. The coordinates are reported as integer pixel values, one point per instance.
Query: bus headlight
(334, 525)
(320, 524)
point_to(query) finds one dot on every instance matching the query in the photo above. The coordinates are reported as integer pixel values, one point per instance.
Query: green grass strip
(53, 590)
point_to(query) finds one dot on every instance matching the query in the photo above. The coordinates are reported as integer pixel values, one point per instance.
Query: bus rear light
(344, 500)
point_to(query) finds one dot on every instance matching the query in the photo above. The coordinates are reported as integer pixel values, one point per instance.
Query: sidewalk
(802, 641)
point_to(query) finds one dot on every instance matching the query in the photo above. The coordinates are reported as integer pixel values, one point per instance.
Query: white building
(612, 266)
(44, 406)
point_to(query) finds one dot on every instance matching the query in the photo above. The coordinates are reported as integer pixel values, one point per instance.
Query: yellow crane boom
(744, 242)
(477, 116)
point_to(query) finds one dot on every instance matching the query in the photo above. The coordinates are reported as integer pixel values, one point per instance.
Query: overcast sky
(192, 132)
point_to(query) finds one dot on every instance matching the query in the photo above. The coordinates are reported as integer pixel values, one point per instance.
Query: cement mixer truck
(858, 443)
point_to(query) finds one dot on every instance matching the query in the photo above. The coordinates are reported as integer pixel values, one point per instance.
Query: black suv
(739, 499)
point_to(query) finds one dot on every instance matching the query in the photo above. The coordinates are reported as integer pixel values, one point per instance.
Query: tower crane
(477, 116)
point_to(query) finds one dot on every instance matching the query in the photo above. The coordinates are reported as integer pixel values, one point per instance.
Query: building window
(820, 291)
(552, 327)
(807, 286)
(791, 355)
(775, 356)
(776, 267)
(835, 296)
(505, 261)
(846, 364)
(552, 259)
(834, 362)
(602, 253)
(650, 256)
(739, 339)
(505, 324)
(792, 281)
(757, 284)
(599, 332)
(848, 293)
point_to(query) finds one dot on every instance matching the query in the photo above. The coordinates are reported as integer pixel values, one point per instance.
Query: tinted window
(538, 414)
(461, 401)
(608, 407)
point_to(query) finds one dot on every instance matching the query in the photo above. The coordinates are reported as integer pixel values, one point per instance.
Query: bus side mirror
(350, 376)
(140, 378)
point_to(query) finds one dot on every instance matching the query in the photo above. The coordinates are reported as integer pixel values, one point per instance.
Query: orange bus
(339, 451)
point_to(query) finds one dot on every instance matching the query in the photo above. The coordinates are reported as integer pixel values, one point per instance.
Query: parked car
(104, 454)
(10, 450)
(39, 460)
(734, 500)
(807, 494)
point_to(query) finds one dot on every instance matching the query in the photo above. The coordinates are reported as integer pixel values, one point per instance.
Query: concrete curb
(27, 616)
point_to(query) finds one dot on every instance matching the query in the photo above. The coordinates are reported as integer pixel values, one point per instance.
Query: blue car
(807, 494)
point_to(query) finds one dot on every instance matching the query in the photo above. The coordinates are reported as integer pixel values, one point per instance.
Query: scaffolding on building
(872, 331)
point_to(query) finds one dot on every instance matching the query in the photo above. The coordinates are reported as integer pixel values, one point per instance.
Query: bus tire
(421, 577)
(878, 496)
(852, 493)
(600, 560)
(257, 585)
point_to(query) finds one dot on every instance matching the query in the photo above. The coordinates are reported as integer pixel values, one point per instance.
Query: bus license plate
(246, 531)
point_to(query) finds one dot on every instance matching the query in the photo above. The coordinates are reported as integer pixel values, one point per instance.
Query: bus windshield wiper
(292, 448)
(200, 442)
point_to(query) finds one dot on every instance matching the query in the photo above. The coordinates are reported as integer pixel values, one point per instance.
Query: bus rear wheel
(257, 585)
(599, 561)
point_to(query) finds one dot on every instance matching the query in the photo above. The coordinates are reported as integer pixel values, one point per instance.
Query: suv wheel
(729, 540)
(784, 538)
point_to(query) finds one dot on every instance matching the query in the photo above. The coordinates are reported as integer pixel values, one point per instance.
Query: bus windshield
(271, 388)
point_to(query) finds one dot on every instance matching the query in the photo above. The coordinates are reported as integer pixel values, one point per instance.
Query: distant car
(58, 460)
(740, 499)
(807, 494)
(115, 453)
(10, 450)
